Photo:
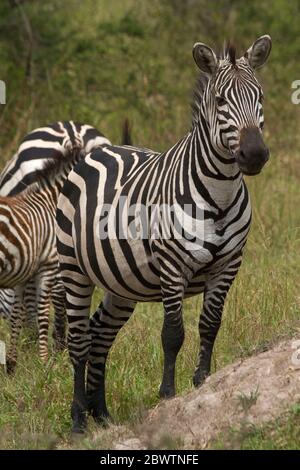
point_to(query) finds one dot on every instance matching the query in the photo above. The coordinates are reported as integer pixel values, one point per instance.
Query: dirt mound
(250, 391)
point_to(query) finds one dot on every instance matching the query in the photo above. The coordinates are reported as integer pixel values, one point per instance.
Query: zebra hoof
(60, 346)
(166, 392)
(100, 415)
(10, 366)
(79, 421)
(97, 407)
(78, 429)
(59, 340)
(103, 420)
(199, 378)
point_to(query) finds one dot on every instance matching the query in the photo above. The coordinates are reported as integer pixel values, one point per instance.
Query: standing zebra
(201, 179)
(28, 252)
(53, 141)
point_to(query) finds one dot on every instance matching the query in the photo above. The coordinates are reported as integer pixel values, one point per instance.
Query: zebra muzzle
(252, 154)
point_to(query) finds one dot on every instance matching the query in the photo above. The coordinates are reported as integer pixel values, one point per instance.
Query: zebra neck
(217, 173)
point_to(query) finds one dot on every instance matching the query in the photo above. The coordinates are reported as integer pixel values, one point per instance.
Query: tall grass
(125, 58)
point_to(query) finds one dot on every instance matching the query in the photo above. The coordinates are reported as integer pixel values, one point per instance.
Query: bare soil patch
(248, 392)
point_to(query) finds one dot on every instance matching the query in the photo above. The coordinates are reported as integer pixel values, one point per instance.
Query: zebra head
(232, 102)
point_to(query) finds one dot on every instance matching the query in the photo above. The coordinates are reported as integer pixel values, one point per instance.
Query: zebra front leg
(16, 321)
(109, 318)
(172, 335)
(210, 319)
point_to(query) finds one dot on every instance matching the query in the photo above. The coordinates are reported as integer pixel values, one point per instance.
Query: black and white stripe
(53, 141)
(201, 178)
(41, 144)
(28, 253)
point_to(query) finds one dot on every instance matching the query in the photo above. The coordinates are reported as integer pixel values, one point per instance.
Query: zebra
(51, 141)
(55, 140)
(7, 297)
(201, 176)
(28, 252)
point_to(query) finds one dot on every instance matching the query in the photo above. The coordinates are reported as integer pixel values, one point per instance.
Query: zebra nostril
(267, 154)
(242, 156)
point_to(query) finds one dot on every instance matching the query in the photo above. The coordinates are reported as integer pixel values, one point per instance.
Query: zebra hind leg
(109, 318)
(59, 303)
(78, 300)
(30, 305)
(78, 291)
(44, 284)
(16, 321)
(7, 299)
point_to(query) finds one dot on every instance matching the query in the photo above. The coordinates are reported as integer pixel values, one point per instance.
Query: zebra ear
(205, 58)
(258, 53)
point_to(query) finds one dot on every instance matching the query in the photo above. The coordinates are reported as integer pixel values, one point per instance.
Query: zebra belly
(126, 270)
(122, 268)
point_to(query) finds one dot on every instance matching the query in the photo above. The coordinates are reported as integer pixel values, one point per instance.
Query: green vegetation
(282, 434)
(99, 62)
(247, 401)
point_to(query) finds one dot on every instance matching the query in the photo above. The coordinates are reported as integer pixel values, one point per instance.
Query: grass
(133, 59)
(281, 434)
(247, 401)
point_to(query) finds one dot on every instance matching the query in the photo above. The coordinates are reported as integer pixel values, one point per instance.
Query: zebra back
(41, 144)
(52, 141)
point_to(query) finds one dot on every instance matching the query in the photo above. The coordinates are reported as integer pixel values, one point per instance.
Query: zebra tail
(126, 133)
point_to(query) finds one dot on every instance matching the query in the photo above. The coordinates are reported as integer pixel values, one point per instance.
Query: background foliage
(99, 61)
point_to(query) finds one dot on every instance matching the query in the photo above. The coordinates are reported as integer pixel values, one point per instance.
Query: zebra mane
(201, 84)
(56, 167)
(228, 51)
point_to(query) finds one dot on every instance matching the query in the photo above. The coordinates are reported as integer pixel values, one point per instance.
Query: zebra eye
(261, 98)
(220, 101)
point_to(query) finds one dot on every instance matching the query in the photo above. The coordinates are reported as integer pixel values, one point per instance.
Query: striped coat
(149, 226)
(28, 253)
(53, 141)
